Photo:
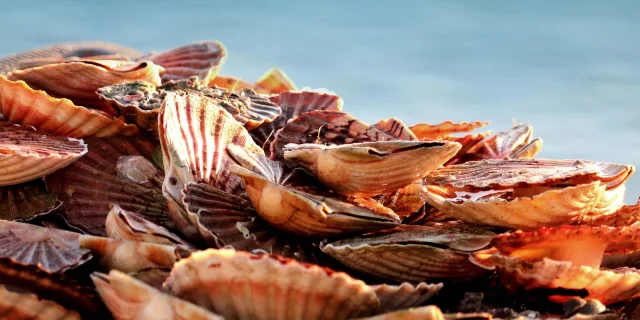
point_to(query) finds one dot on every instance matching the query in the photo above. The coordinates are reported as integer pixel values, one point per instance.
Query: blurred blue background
(570, 68)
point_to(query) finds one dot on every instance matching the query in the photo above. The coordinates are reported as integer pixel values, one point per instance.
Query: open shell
(27, 306)
(238, 285)
(26, 201)
(407, 253)
(130, 299)
(336, 127)
(368, 169)
(115, 170)
(22, 105)
(79, 80)
(51, 250)
(528, 193)
(202, 59)
(26, 154)
(405, 295)
(516, 143)
(467, 142)
(445, 129)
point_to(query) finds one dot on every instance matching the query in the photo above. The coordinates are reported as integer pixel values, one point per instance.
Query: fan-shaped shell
(130, 299)
(26, 154)
(202, 59)
(425, 131)
(115, 170)
(238, 285)
(408, 253)
(51, 250)
(514, 143)
(405, 295)
(371, 168)
(28, 307)
(467, 142)
(275, 81)
(26, 201)
(625, 216)
(406, 201)
(22, 105)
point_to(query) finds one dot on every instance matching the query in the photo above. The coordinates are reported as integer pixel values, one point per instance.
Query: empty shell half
(202, 59)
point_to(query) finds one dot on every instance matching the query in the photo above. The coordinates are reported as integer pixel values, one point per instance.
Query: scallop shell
(115, 170)
(64, 50)
(130, 299)
(405, 295)
(275, 81)
(335, 127)
(293, 104)
(422, 313)
(625, 216)
(425, 131)
(296, 205)
(26, 154)
(513, 143)
(39, 62)
(131, 256)
(27, 306)
(406, 201)
(26, 201)
(246, 286)
(125, 225)
(202, 59)
(51, 250)
(232, 221)
(467, 142)
(371, 168)
(414, 253)
(231, 83)
(22, 105)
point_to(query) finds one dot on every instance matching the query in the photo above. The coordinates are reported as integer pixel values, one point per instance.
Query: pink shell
(203, 59)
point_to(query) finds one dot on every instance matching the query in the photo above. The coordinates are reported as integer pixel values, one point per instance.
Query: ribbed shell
(625, 216)
(426, 131)
(22, 105)
(238, 285)
(51, 250)
(406, 201)
(79, 80)
(26, 201)
(202, 59)
(275, 81)
(503, 144)
(293, 104)
(371, 168)
(335, 127)
(467, 142)
(130, 299)
(115, 170)
(26, 154)
(24, 306)
(405, 295)
(424, 313)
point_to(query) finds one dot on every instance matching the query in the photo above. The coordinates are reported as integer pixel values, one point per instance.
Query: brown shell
(406, 201)
(130, 299)
(371, 168)
(202, 59)
(153, 277)
(275, 81)
(232, 221)
(506, 144)
(238, 285)
(115, 170)
(293, 104)
(425, 131)
(26, 201)
(414, 253)
(467, 142)
(23, 306)
(51, 250)
(335, 127)
(22, 105)
(26, 154)
(405, 295)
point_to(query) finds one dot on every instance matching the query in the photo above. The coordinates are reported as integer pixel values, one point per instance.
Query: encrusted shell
(115, 170)
(130, 299)
(23, 306)
(238, 285)
(405, 295)
(26, 154)
(26, 201)
(202, 59)
(22, 105)
(445, 129)
(371, 168)
(414, 253)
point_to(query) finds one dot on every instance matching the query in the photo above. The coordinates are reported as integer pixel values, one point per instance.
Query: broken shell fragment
(414, 253)
(26, 154)
(525, 194)
(22, 105)
(26, 201)
(239, 285)
(442, 130)
(202, 59)
(372, 168)
(405, 295)
(130, 299)
(19, 306)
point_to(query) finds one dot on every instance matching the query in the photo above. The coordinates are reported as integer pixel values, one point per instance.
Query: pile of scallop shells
(150, 186)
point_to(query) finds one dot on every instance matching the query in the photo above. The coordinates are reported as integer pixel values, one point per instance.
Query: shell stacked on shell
(140, 186)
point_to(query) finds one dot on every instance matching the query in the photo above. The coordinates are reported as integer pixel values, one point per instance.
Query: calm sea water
(570, 68)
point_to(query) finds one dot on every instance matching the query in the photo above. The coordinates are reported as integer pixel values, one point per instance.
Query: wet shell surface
(130, 299)
(202, 59)
(239, 285)
(372, 168)
(414, 253)
(26, 154)
(20, 104)
(26, 201)
(25, 306)
(425, 131)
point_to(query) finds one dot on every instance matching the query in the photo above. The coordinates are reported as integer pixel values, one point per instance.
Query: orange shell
(405, 295)
(625, 216)
(26, 154)
(407, 201)
(425, 131)
(506, 144)
(203, 59)
(26, 201)
(231, 83)
(22, 105)
(421, 313)
(467, 142)
(238, 285)
(27, 306)
(275, 81)
(130, 299)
